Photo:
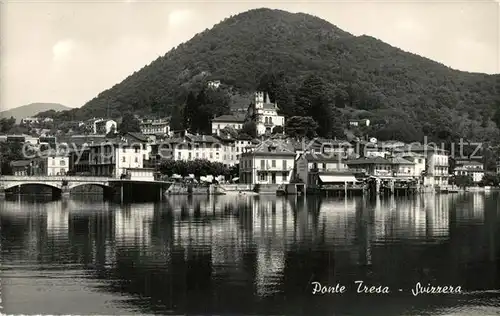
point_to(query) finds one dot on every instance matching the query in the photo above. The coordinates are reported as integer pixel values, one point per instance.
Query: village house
(191, 147)
(359, 123)
(213, 84)
(55, 164)
(329, 147)
(21, 167)
(234, 121)
(437, 164)
(473, 169)
(113, 157)
(265, 114)
(383, 167)
(159, 127)
(30, 120)
(102, 126)
(269, 162)
(314, 169)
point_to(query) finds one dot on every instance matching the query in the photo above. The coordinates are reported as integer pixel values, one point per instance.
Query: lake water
(250, 255)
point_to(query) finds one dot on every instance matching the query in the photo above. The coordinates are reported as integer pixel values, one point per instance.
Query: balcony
(275, 168)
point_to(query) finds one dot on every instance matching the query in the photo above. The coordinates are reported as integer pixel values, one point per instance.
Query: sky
(69, 51)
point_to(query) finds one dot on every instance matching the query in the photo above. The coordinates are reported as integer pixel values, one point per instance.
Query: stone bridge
(58, 182)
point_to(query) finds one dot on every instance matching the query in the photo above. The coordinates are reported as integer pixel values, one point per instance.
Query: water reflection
(250, 255)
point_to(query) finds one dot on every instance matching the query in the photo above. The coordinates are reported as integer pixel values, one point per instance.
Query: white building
(101, 126)
(30, 120)
(270, 162)
(214, 84)
(223, 121)
(114, 158)
(418, 160)
(437, 166)
(470, 168)
(356, 123)
(265, 114)
(192, 147)
(56, 165)
(155, 127)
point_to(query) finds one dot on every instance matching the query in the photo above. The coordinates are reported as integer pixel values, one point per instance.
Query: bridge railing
(54, 178)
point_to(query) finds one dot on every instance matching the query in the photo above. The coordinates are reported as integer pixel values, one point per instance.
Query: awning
(337, 178)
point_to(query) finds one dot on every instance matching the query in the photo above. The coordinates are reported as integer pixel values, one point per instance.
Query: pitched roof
(20, 163)
(312, 157)
(139, 136)
(229, 118)
(272, 146)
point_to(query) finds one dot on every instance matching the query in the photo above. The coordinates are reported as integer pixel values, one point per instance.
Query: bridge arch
(10, 185)
(79, 184)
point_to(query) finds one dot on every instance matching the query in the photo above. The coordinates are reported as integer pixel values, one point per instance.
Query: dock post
(121, 192)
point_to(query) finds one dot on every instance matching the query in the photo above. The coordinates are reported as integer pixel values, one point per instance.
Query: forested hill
(277, 50)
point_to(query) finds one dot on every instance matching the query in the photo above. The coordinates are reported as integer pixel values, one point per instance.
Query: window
(123, 159)
(284, 165)
(189, 156)
(62, 162)
(136, 159)
(197, 155)
(263, 176)
(324, 165)
(179, 155)
(273, 163)
(285, 176)
(136, 149)
(262, 164)
(53, 162)
(211, 155)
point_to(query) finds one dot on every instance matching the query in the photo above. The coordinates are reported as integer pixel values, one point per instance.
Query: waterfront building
(437, 164)
(20, 167)
(192, 147)
(383, 167)
(328, 147)
(55, 164)
(113, 157)
(470, 168)
(270, 162)
(314, 169)
(265, 114)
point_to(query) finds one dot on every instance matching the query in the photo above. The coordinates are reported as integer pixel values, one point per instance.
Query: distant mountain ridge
(366, 77)
(32, 109)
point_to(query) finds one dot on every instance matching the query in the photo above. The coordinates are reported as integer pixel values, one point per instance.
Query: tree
(462, 181)
(249, 128)
(129, 124)
(301, 126)
(112, 132)
(190, 112)
(278, 130)
(177, 118)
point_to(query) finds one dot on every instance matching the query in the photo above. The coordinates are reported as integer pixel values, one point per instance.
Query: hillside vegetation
(405, 95)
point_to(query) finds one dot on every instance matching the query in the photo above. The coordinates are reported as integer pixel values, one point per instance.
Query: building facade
(155, 127)
(270, 162)
(470, 168)
(265, 114)
(234, 121)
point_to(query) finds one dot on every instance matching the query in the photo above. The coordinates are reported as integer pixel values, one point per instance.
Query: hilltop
(365, 77)
(32, 109)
